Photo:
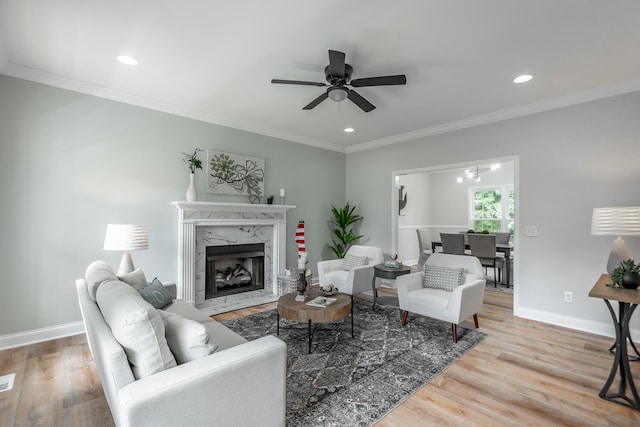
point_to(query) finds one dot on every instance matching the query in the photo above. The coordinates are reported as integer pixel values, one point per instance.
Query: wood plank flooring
(524, 373)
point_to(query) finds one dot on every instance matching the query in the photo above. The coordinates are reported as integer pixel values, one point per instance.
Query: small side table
(383, 272)
(628, 299)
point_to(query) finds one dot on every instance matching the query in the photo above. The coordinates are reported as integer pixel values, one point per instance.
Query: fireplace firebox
(233, 269)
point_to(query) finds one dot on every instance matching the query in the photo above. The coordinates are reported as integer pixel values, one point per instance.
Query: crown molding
(506, 114)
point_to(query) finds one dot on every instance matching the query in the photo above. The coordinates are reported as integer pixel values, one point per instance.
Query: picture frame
(237, 174)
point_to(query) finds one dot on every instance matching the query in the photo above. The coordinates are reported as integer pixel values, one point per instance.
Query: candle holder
(282, 198)
(302, 285)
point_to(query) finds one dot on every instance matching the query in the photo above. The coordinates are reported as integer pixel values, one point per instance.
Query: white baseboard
(38, 335)
(585, 325)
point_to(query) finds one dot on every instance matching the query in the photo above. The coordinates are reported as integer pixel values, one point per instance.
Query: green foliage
(626, 266)
(343, 218)
(193, 161)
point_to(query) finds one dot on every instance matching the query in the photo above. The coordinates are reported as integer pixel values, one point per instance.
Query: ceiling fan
(338, 75)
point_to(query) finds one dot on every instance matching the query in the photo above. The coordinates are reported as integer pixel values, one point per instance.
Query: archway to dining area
(477, 195)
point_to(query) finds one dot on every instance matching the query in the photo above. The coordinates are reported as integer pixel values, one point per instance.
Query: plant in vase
(627, 274)
(194, 163)
(343, 218)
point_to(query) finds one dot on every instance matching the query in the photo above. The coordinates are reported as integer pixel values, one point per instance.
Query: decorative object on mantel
(270, 200)
(618, 221)
(126, 237)
(194, 163)
(235, 174)
(626, 275)
(342, 219)
(282, 198)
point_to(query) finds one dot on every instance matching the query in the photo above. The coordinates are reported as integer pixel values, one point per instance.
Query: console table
(628, 300)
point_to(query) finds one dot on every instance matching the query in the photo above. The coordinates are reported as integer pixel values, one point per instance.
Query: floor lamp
(126, 237)
(624, 221)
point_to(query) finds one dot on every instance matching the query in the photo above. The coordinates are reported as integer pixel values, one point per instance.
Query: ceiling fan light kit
(338, 76)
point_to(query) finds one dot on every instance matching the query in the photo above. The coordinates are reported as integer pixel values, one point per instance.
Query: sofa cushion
(185, 309)
(352, 261)
(136, 278)
(137, 326)
(97, 273)
(223, 337)
(187, 339)
(156, 294)
(440, 277)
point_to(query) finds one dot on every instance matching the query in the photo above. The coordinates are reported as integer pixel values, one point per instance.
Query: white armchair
(355, 280)
(464, 301)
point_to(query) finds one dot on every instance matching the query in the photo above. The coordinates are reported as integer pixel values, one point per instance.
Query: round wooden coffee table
(299, 311)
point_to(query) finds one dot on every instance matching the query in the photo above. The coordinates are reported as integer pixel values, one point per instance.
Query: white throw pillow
(351, 261)
(439, 277)
(136, 278)
(137, 326)
(187, 339)
(97, 273)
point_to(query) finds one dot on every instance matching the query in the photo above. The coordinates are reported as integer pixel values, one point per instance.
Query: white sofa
(455, 306)
(213, 390)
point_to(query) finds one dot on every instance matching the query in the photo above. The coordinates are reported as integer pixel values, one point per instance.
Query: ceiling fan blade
(316, 101)
(400, 79)
(297, 82)
(357, 99)
(336, 62)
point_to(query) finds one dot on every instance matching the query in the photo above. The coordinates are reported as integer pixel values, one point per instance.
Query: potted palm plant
(343, 218)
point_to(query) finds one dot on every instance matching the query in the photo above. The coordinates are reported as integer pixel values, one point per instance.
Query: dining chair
(424, 246)
(483, 246)
(452, 243)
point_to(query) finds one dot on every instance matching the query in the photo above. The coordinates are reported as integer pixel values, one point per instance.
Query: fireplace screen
(232, 269)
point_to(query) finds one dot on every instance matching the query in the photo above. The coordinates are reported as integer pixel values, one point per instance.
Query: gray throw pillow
(156, 294)
(439, 277)
(351, 261)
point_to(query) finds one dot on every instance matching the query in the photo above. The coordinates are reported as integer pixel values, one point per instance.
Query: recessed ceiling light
(127, 60)
(349, 130)
(523, 78)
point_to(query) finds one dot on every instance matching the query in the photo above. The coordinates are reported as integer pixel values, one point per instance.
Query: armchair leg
(475, 320)
(404, 317)
(454, 329)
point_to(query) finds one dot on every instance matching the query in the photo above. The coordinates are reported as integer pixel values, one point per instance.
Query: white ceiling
(213, 60)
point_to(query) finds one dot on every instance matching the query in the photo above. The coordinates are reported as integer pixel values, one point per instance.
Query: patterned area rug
(356, 381)
(500, 288)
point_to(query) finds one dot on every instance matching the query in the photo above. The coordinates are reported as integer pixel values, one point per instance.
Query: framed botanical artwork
(238, 174)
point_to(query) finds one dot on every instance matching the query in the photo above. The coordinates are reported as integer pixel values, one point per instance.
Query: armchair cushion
(441, 277)
(352, 261)
(337, 278)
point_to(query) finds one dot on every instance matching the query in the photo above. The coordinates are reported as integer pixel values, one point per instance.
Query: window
(492, 209)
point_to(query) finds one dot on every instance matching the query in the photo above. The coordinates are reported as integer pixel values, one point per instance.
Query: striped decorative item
(300, 237)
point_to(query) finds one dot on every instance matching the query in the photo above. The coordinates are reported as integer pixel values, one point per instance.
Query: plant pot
(631, 280)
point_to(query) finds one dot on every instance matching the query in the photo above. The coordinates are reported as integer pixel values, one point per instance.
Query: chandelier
(474, 173)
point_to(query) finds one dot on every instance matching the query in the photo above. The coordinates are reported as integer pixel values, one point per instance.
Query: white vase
(192, 193)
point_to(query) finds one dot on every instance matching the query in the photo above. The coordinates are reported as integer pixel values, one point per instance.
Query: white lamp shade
(624, 221)
(126, 237)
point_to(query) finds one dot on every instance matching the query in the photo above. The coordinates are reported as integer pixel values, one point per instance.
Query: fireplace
(233, 269)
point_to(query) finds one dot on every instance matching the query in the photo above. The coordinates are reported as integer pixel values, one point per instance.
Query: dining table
(505, 248)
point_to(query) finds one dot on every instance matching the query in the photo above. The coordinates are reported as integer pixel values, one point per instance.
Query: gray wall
(570, 160)
(72, 163)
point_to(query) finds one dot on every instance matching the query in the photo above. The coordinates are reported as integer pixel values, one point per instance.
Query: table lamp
(126, 237)
(622, 221)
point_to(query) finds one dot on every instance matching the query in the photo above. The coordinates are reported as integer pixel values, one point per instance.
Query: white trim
(584, 325)
(39, 335)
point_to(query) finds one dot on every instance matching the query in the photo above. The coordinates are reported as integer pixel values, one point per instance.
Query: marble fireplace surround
(202, 224)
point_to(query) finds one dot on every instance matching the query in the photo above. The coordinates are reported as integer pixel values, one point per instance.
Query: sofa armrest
(172, 288)
(405, 284)
(208, 391)
(325, 267)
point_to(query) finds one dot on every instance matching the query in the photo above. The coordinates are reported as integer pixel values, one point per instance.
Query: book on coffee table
(321, 301)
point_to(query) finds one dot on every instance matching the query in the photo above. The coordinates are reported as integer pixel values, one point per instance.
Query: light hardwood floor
(524, 373)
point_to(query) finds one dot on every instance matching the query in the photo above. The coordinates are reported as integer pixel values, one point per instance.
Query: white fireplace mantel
(212, 214)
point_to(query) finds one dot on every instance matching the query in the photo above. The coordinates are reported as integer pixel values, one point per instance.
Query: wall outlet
(531, 231)
(568, 296)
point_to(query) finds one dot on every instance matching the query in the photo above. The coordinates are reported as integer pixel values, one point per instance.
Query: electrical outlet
(568, 296)
(531, 231)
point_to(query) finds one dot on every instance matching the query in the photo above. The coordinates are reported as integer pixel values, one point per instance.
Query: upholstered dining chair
(450, 288)
(452, 243)
(424, 246)
(483, 246)
(353, 273)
